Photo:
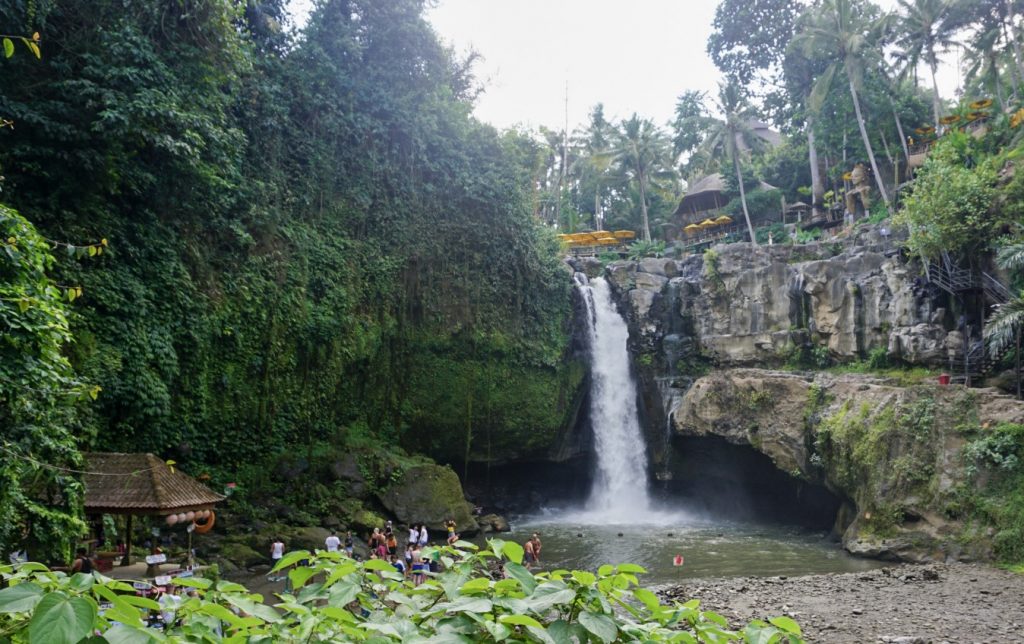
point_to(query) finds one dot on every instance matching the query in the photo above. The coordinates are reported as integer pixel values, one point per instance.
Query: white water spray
(620, 486)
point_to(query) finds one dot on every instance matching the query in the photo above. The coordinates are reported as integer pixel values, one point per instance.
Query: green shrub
(484, 596)
(949, 207)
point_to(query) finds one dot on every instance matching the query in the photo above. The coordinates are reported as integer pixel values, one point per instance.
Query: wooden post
(126, 560)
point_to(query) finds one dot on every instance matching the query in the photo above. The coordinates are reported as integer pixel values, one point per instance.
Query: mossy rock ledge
(429, 494)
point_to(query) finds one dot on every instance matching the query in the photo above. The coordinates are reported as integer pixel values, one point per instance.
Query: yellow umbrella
(692, 228)
(707, 223)
(724, 219)
(607, 241)
(625, 234)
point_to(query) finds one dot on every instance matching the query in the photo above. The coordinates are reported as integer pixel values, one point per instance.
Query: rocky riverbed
(909, 604)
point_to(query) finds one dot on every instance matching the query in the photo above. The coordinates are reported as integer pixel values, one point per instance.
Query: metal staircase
(977, 361)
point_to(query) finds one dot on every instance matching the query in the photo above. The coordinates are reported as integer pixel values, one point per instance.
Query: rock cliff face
(890, 453)
(893, 453)
(742, 305)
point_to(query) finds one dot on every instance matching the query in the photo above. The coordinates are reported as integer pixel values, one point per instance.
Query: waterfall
(620, 486)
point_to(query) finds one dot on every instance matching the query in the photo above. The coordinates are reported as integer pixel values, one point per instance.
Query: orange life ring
(203, 528)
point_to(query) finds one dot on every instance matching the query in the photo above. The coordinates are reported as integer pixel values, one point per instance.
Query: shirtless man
(417, 565)
(529, 557)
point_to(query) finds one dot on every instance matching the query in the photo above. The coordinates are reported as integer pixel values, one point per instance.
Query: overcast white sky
(634, 56)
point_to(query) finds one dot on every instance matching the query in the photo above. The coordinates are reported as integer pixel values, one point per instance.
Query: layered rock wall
(892, 452)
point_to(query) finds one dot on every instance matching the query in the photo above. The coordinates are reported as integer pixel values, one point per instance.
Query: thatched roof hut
(706, 195)
(141, 484)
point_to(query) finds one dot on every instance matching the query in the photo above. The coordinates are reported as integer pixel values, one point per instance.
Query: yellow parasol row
(598, 238)
(707, 223)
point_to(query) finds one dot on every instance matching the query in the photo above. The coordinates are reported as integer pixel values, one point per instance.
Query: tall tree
(732, 137)
(641, 151)
(842, 31)
(924, 29)
(799, 73)
(749, 37)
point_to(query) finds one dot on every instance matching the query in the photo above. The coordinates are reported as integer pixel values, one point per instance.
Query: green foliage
(40, 501)
(995, 459)
(484, 596)
(640, 249)
(807, 236)
(301, 230)
(777, 232)
(761, 204)
(880, 452)
(950, 207)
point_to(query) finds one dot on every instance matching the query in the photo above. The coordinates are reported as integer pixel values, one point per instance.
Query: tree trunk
(899, 128)
(743, 200)
(1014, 70)
(870, 151)
(817, 185)
(1017, 364)
(1016, 43)
(643, 205)
(936, 103)
(998, 84)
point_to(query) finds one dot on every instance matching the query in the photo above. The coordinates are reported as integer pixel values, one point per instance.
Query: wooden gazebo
(141, 484)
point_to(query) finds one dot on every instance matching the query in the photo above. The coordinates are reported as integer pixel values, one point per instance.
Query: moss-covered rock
(429, 494)
(364, 521)
(241, 554)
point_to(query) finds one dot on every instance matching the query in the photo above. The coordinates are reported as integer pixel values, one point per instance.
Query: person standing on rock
(332, 542)
(414, 534)
(528, 556)
(349, 543)
(452, 535)
(424, 536)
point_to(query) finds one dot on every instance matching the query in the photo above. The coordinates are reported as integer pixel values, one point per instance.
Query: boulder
(241, 554)
(347, 469)
(430, 494)
(493, 523)
(364, 521)
(658, 266)
(307, 538)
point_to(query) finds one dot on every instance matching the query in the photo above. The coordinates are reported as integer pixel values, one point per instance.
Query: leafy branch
(32, 43)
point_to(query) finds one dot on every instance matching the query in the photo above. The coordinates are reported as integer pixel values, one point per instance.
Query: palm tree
(982, 61)
(642, 152)
(799, 72)
(1006, 325)
(592, 163)
(731, 138)
(925, 28)
(841, 33)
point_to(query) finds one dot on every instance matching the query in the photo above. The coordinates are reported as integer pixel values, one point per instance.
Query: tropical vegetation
(483, 595)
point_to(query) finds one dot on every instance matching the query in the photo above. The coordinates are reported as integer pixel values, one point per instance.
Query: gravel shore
(908, 604)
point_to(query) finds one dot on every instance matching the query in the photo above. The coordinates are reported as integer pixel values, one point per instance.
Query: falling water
(620, 487)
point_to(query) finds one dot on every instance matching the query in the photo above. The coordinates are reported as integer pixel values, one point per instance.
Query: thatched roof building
(704, 196)
(141, 484)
